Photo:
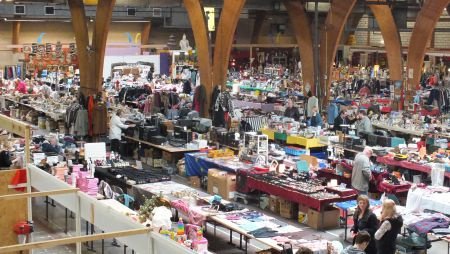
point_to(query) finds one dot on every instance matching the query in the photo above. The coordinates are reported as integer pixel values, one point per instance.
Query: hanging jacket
(99, 119)
(224, 101)
(312, 102)
(81, 123)
(215, 95)
(199, 102)
(90, 108)
(332, 113)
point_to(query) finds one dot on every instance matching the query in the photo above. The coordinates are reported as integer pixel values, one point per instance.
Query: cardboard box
(302, 215)
(288, 209)
(274, 204)
(194, 181)
(167, 156)
(221, 183)
(327, 219)
(158, 163)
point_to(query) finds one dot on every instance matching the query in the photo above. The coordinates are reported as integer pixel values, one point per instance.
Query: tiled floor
(54, 229)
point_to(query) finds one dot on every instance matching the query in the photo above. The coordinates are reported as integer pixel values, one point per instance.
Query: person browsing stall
(316, 118)
(361, 173)
(341, 119)
(115, 130)
(362, 240)
(51, 146)
(291, 111)
(391, 225)
(363, 123)
(364, 220)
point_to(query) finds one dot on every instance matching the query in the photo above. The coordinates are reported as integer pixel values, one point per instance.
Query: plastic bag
(161, 218)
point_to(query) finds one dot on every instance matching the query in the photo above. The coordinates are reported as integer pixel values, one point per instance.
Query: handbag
(273, 166)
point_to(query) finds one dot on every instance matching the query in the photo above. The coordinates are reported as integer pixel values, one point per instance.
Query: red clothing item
(420, 144)
(91, 106)
(21, 87)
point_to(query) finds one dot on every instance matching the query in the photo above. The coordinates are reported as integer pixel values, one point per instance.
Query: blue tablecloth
(352, 203)
(197, 164)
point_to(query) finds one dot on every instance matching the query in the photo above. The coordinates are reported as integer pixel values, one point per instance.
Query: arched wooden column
(391, 37)
(259, 19)
(229, 18)
(80, 28)
(200, 30)
(145, 34)
(91, 57)
(420, 37)
(15, 34)
(100, 35)
(302, 30)
(329, 41)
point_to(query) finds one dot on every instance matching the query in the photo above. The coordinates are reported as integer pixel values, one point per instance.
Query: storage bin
(280, 136)
(395, 141)
(302, 166)
(294, 151)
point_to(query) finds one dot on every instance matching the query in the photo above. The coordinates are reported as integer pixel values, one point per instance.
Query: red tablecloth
(433, 112)
(377, 184)
(394, 189)
(294, 196)
(407, 165)
(386, 109)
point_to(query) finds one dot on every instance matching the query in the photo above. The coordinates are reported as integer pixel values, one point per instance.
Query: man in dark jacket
(340, 120)
(291, 111)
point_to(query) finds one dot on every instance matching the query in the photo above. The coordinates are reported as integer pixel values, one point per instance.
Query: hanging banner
(34, 48)
(72, 48)
(48, 47)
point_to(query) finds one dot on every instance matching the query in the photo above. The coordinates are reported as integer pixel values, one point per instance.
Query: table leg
(345, 226)
(246, 242)
(240, 241)
(125, 249)
(92, 232)
(132, 251)
(87, 233)
(215, 225)
(65, 223)
(46, 207)
(103, 244)
(53, 203)
(231, 236)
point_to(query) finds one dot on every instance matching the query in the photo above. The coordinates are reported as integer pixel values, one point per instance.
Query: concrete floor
(54, 229)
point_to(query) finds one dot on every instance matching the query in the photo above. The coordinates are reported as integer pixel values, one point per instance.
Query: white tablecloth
(421, 199)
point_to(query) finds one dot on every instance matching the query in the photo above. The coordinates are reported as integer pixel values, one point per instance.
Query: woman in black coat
(365, 220)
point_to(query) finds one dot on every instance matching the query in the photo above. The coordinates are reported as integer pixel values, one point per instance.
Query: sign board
(95, 150)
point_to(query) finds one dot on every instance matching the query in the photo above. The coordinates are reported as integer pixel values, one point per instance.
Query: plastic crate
(302, 166)
(294, 151)
(395, 141)
(280, 136)
(320, 155)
